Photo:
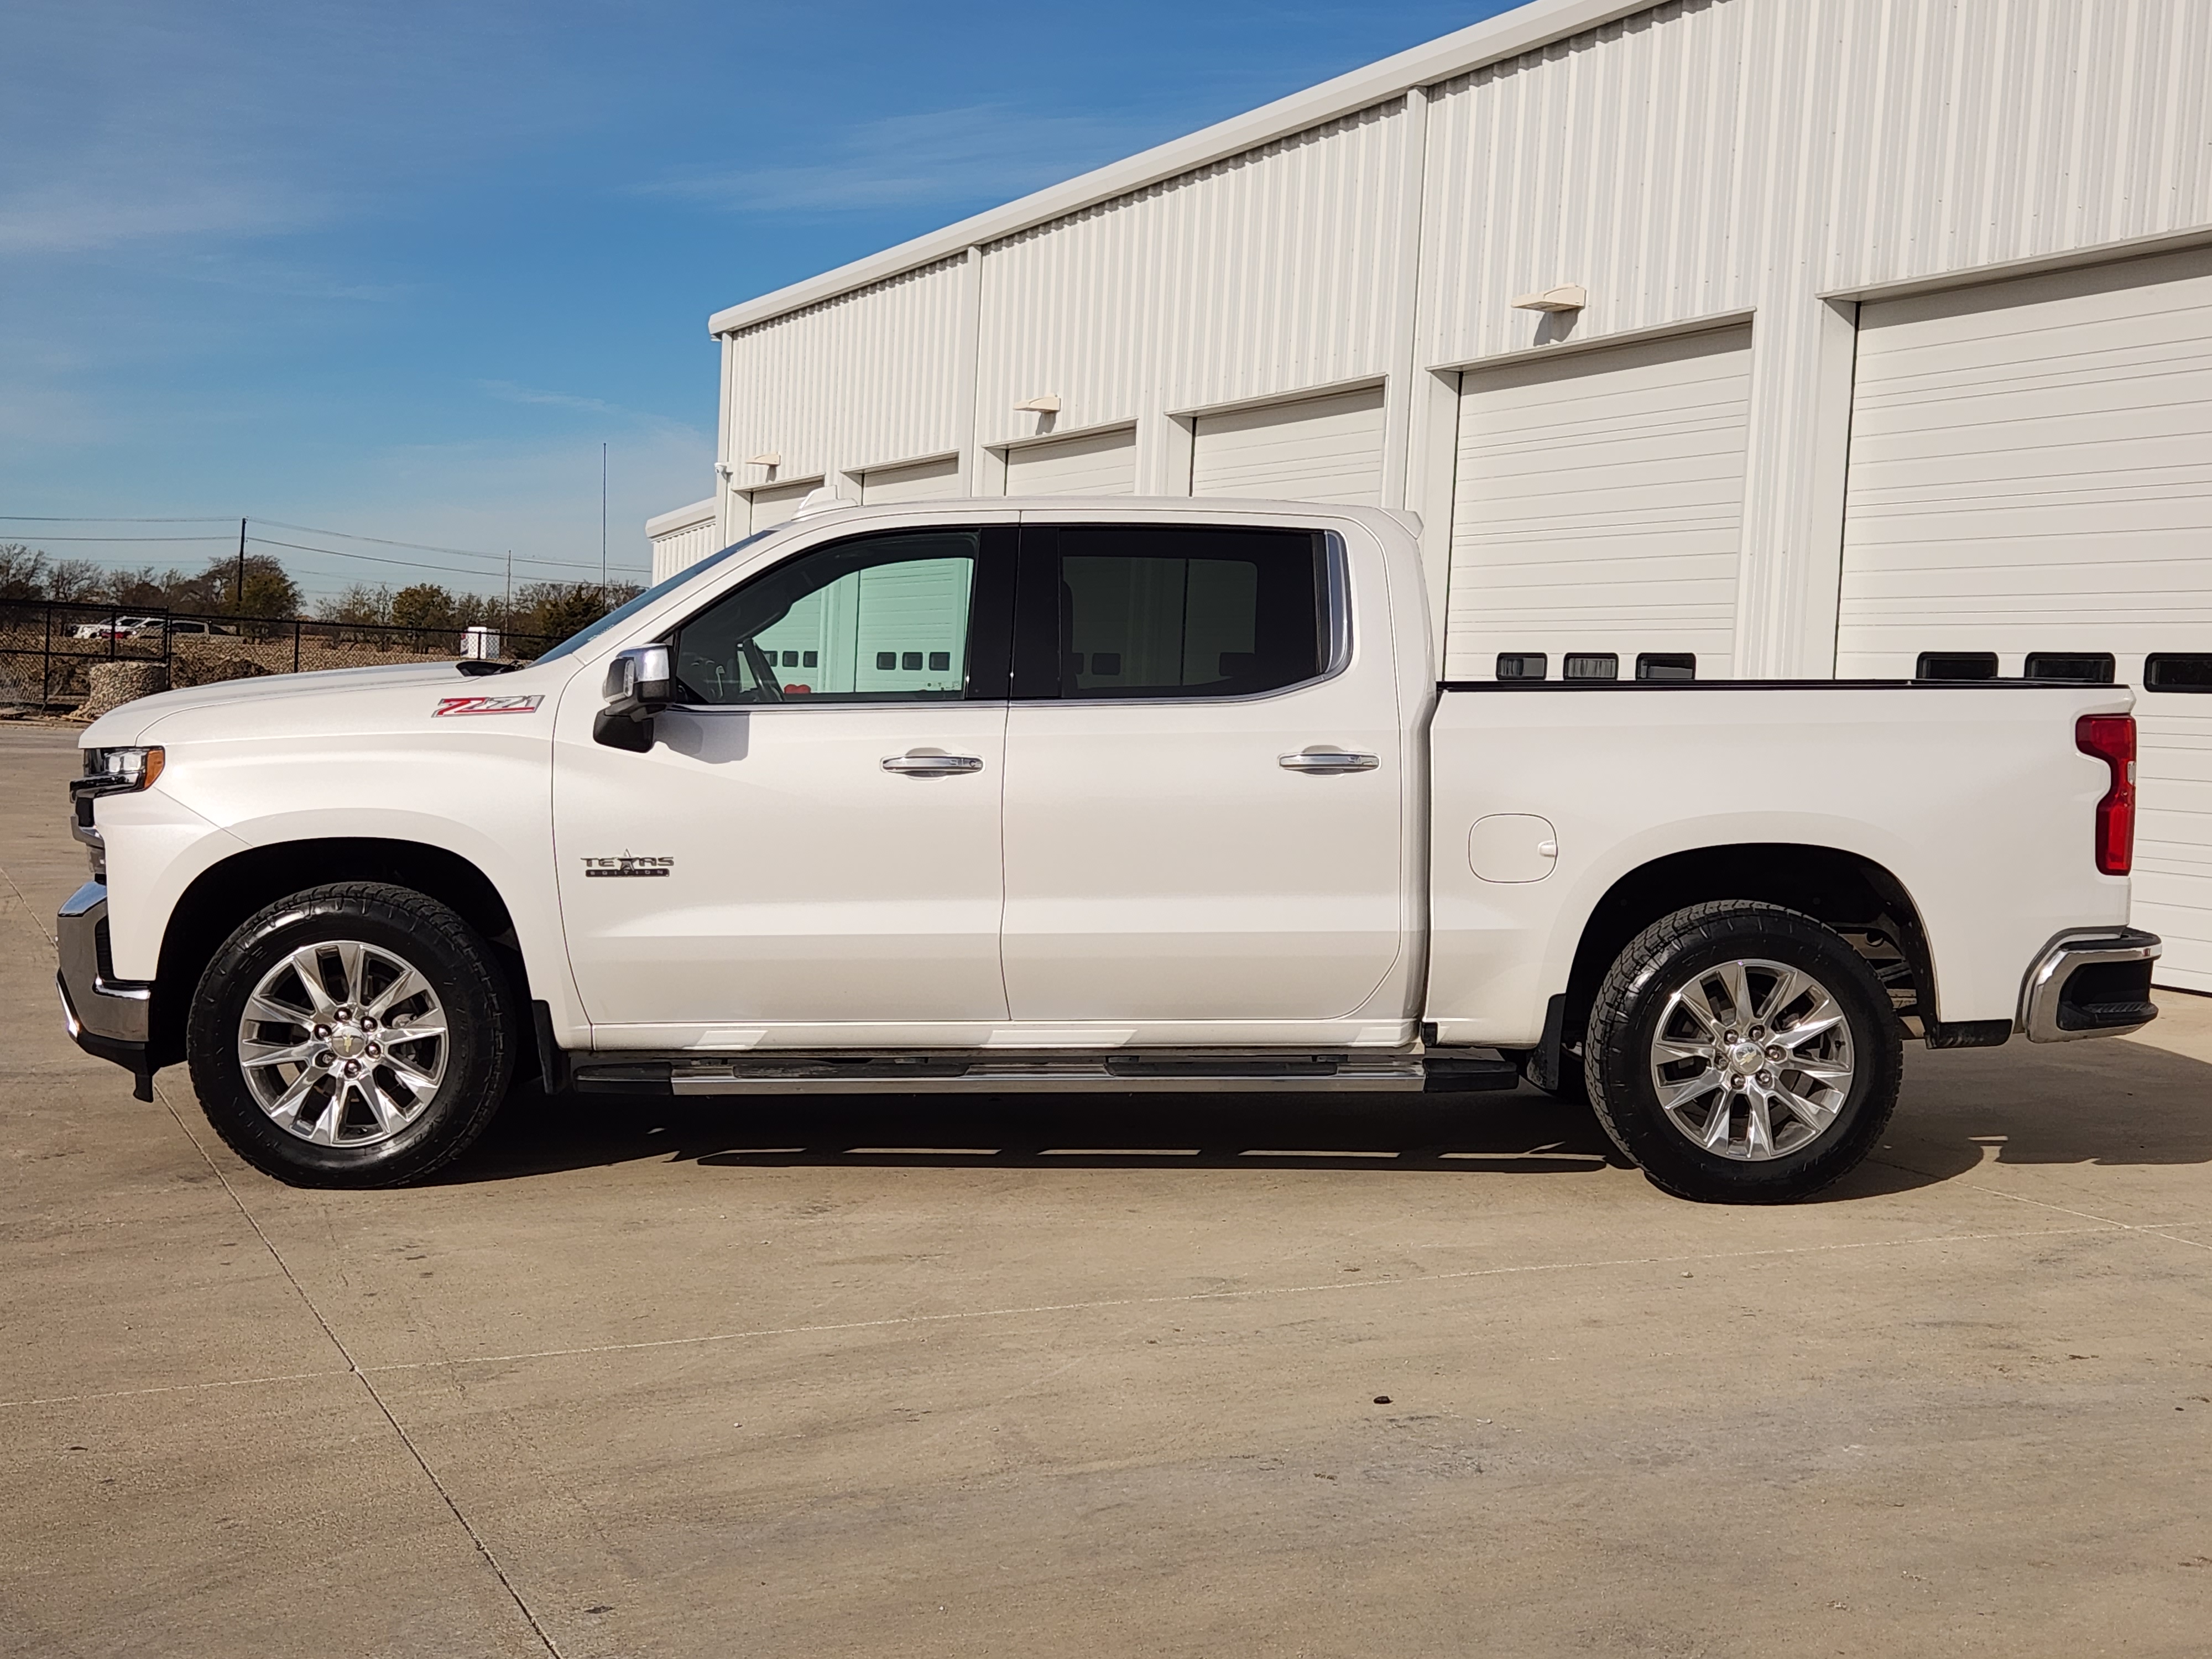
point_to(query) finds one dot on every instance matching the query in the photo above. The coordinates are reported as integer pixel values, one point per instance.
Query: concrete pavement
(1025, 1377)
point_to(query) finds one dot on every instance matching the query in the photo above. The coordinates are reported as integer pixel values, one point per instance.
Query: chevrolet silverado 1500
(1085, 794)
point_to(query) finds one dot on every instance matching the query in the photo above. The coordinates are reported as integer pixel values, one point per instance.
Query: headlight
(117, 771)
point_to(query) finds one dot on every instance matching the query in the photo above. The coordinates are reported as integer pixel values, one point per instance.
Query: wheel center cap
(1746, 1058)
(346, 1045)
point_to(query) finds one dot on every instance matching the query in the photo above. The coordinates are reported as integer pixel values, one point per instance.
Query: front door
(814, 839)
(1203, 782)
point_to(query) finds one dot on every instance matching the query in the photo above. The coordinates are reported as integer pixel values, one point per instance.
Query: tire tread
(409, 912)
(1734, 922)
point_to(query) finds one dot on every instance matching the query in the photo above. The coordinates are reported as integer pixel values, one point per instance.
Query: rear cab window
(1169, 611)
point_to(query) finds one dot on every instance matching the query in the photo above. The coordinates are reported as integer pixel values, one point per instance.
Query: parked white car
(182, 627)
(119, 628)
(1078, 794)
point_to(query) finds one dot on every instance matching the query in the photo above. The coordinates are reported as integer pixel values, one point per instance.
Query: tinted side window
(1175, 612)
(1956, 666)
(880, 619)
(2178, 670)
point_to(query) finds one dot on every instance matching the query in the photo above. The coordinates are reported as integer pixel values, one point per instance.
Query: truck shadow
(1523, 1130)
(2112, 1103)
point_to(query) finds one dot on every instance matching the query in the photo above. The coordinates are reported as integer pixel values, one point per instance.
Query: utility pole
(507, 606)
(603, 524)
(238, 595)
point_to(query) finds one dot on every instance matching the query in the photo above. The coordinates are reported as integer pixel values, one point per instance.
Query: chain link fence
(47, 648)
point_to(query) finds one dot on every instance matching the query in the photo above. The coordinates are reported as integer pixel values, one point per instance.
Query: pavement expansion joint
(483, 1548)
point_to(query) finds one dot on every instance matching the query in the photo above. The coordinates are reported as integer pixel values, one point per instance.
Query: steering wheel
(763, 671)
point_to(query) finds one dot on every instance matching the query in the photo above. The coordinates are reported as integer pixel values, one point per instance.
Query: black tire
(1617, 1065)
(476, 1004)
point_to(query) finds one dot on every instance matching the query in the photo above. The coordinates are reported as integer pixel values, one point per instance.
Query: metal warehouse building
(1800, 337)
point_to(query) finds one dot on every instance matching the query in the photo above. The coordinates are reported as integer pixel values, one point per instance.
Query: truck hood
(135, 720)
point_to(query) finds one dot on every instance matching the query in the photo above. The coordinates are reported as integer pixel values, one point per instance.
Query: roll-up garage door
(1316, 449)
(2030, 474)
(1092, 464)
(917, 481)
(1598, 510)
(774, 503)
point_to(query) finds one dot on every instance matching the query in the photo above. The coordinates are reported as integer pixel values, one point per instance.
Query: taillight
(2111, 739)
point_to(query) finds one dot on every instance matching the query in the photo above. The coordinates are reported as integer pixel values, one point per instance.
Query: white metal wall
(772, 504)
(1088, 464)
(1316, 449)
(682, 539)
(860, 380)
(1700, 159)
(917, 481)
(1253, 277)
(1600, 505)
(1696, 163)
(1724, 155)
(2031, 470)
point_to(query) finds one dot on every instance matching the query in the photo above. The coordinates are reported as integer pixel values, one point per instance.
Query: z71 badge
(628, 866)
(487, 705)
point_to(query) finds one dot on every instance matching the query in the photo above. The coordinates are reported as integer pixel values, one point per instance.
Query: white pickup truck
(1084, 794)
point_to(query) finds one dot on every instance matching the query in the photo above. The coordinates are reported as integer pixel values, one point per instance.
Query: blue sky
(400, 270)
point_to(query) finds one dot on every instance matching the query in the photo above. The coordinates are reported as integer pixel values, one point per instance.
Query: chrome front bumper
(105, 1016)
(2086, 984)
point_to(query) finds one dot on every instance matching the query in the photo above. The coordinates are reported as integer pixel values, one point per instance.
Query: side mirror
(639, 684)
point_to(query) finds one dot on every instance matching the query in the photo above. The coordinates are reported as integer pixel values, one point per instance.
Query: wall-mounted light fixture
(766, 458)
(1048, 404)
(1568, 296)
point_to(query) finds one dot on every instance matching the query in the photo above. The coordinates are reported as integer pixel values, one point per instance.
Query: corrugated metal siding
(1600, 505)
(1266, 274)
(1088, 464)
(1701, 157)
(2032, 470)
(1313, 449)
(774, 504)
(864, 379)
(2174, 831)
(920, 481)
(1717, 156)
(682, 546)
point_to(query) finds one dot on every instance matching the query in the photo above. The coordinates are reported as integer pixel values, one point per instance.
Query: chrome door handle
(932, 766)
(1326, 760)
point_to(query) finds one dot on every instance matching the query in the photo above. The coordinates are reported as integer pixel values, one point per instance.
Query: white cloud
(984, 152)
(91, 211)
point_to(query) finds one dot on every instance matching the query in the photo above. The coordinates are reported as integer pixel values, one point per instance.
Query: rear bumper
(2086, 984)
(105, 1016)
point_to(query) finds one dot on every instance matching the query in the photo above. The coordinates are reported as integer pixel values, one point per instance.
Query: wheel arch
(226, 893)
(1847, 892)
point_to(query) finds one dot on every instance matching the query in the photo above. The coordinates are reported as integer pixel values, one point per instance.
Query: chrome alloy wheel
(343, 1043)
(1752, 1060)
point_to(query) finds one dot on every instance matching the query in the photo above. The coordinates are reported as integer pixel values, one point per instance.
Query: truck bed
(1971, 796)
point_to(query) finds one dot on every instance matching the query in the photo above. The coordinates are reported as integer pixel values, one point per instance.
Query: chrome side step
(1001, 1073)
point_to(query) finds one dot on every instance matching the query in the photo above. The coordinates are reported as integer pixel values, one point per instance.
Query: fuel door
(1512, 847)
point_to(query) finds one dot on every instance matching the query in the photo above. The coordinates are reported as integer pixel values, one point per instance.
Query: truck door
(1203, 788)
(814, 838)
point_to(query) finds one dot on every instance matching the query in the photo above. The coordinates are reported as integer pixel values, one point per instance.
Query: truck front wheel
(1742, 1052)
(357, 1034)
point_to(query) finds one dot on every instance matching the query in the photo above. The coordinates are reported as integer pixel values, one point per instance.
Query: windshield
(652, 595)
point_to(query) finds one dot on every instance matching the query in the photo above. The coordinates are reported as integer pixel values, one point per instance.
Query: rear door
(1203, 782)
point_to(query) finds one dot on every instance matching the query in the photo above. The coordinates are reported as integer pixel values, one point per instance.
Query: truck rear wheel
(358, 1035)
(1742, 1052)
